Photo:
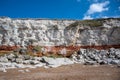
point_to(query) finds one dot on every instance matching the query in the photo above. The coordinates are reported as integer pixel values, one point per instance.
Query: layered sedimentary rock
(45, 32)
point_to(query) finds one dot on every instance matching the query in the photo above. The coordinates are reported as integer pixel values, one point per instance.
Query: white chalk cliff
(46, 32)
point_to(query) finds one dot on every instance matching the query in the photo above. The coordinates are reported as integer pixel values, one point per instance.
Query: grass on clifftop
(91, 23)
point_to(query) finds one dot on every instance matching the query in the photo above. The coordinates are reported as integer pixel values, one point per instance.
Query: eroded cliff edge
(45, 32)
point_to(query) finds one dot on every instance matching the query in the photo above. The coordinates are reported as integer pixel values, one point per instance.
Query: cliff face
(24, 32)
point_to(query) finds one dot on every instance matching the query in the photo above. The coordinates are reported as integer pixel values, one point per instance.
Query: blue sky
(60, 9)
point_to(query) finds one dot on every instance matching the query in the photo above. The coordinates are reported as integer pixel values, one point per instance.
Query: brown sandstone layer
(57, 48)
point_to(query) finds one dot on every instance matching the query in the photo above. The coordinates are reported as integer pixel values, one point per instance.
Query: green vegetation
(55, 56)
(91, 23)
(74, 24)
(2, 53)
(37, 48)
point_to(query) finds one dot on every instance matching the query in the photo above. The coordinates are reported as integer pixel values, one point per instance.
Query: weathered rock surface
(3, 59)
(58, 32)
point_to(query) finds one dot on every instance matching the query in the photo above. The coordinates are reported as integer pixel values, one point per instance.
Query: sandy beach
(68, 72)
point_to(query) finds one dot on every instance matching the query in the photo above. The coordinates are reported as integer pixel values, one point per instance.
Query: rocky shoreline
(82, 56)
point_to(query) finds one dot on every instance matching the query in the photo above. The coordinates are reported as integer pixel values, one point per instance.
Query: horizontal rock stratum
(46, 32)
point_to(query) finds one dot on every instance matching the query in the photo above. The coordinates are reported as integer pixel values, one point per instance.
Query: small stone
(21, 71)
(97, 57)
(101, 62)
(4, 70)
(12, 60)
(27, 70)
(118, 66)
(82, 51)
(11, 56)
(117, 53)
(90, 62)
(26, 62)
(27, 57)
(103, 52)
(112, 51)
(33, 62)
(108, 60)
(22, 51)
(19, 65)
(19, 60)
(92, 56)
(4, 59)
(116, 62)
(21, 56)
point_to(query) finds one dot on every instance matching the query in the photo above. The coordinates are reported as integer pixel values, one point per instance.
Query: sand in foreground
(69, 72)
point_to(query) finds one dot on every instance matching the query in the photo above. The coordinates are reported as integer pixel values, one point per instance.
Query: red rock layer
(70, 48)
(8, 48)
(101, 47)
(57, 48)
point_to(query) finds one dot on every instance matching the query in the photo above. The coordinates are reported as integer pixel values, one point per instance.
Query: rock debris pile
(93, 56)
(83, 56)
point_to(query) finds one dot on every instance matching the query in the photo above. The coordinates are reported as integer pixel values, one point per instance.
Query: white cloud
(98, 7)
(87, 17)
